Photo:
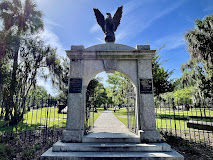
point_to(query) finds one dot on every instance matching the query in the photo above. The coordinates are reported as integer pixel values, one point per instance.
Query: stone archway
(129, 104)
(86, 63)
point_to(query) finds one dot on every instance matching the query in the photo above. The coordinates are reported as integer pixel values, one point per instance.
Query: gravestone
(136, 64)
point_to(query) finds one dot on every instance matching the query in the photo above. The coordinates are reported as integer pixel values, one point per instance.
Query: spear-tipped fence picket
(185, 119)
(47, 118)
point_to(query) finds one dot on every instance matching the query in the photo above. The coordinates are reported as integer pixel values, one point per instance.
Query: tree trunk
(1, 93)
(7, 109)
(12, 90)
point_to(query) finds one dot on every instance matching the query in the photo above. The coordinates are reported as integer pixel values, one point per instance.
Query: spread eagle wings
(117, 17)
(100, 18)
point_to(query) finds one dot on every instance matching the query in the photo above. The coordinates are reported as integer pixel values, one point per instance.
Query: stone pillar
(75, 115)
(146, 104)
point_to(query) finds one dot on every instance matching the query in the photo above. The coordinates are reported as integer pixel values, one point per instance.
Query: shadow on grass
(4, 127)
(190, 150)
(181, 117)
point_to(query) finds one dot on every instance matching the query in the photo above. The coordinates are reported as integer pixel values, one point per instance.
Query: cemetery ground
(175, 122)
(47, 117)
(174, 132)
(37, 118)
(39, 130)
(42, 127)
(172, 119)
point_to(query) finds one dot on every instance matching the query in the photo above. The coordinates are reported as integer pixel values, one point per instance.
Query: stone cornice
(135, 54)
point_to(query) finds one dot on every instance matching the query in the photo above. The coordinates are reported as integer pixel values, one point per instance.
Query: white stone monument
(136, 64)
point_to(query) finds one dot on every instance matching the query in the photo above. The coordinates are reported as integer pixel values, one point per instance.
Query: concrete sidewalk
(107, 125)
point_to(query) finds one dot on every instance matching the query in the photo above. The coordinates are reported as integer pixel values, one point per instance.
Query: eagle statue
(109, 25)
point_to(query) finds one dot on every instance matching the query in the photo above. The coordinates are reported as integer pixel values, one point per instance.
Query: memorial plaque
(146, 86)
(75, 85)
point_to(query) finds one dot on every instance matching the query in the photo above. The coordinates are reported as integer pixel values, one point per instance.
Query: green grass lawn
(96, 115)
(122, 115)
(45, 117)
(171, 124)
(168, 122)
(165, 118)
(49, 117)
(165, 115)
(192, 112)
(42, 117)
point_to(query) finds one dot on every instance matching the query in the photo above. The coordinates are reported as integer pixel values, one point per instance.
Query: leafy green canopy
(198, 72)
(161, 77)
(200, 42)
(23, 55)
(120, 87)
(96, 94)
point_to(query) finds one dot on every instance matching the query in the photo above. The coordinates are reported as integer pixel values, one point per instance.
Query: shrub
(6, 152)
(28, 154)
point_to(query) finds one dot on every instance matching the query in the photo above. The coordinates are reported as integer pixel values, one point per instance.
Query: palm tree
(19, 18)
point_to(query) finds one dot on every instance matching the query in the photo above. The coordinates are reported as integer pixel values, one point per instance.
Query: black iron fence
(90, 118)
(192, 121)
(38, 114)
(47, 117)
(42, 124)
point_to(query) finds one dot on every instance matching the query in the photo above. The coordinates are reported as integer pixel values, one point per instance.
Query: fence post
(174, 107)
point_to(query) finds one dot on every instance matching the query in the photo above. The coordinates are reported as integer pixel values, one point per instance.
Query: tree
(177, 84)
(119, 87)
(200, 42)
(198, 71)
(59, 70)
(194, 75)
(38, 92)
(96, 94)
(100, 95)
(91, 91)
(4, 78)
(161, 81)
(19, 19)
(183, 95)
(23, 51)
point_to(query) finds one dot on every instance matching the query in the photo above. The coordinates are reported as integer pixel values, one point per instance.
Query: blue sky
(154, 22)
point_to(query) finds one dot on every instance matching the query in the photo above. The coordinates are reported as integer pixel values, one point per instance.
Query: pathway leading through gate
(107, 125)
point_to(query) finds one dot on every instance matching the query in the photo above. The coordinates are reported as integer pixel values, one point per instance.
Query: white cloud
(100, 40)
(121, 34)
(95, 28)
(171, 41)
(133, 5)
(161, 14)
(51, 23)
(48, 86)
(52, 39)
(143, 20)
(136, 27)
(129, 6)
(103, 76)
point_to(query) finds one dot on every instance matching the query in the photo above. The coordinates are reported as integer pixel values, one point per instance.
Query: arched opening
(134, 63)
(111, 98)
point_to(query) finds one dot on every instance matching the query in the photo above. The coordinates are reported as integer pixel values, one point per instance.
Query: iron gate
(130, 107)
(89, 112)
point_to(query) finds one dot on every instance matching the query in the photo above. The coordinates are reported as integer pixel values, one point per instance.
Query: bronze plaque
(146, 86)
(75, 85)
